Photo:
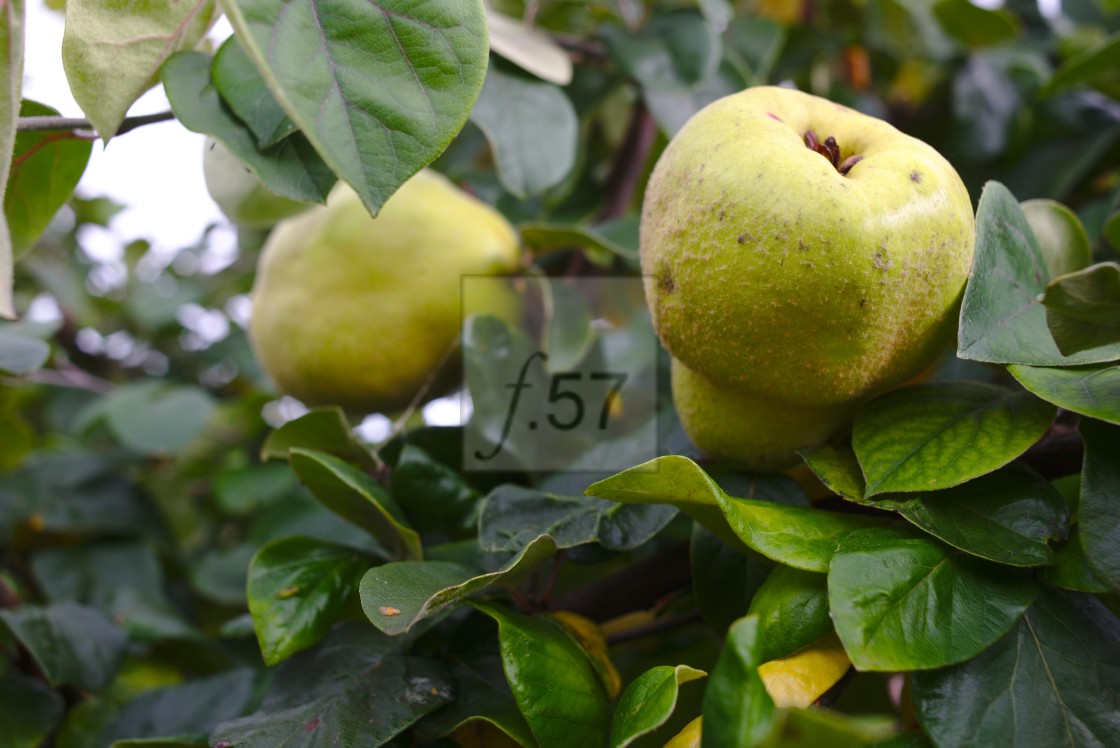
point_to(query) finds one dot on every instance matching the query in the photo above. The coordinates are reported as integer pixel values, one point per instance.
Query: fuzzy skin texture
(360, 312)
(770, 272)
(765, 434)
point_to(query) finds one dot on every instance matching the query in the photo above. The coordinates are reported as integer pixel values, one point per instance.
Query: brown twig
(1058, 454)
(656, 627)
(637, 587)
(52, 124)
(829, 698)
(628, 166)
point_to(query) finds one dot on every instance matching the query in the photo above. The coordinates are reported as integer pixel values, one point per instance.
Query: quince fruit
(363, 312)
(800, 257)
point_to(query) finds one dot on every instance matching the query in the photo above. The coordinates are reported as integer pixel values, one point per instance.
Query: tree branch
(52, 124)
(636, 587)
(627, 168)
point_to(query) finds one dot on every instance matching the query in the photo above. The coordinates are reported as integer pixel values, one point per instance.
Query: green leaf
(154, 419)
(113, 50)
(939, 435)
(1088, 67)
(1010, 516)
(72, 644)
(432, 494)
(1060, 234)
(297, 589)
(1070, 569)
(737, 709)
(540, 237)
(796, 536)
(46, 167)
(513, 516)
(355, 689)
(555, 686)
(322, 429)
(903, 602)
(379, 90)
(673, 58)
(812, 728)
(29, 711)
(356, 497)
(792, 611)
(838, 469)
(189, 740)
(94, 573)
(398, 595)
(1083, 308)
(532, 129)
(724, 579)
(291, 168)
(194, 707)
(244, 91)
(481, 693)
(531, 50)
(1099, 511)
(21, 354)
(648, 702)
(974, 26)
(1054, 680)
(1001, 318)
(1092, 390)
(11, 79)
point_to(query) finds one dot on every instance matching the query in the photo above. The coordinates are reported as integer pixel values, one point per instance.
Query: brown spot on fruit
(742, 238)
(665, 281)
(916, 177)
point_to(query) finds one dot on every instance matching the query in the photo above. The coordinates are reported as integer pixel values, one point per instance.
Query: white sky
(155, 170)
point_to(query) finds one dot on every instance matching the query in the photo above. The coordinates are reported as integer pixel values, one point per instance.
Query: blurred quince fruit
(238, 192)
(362, 312)
(800, 257)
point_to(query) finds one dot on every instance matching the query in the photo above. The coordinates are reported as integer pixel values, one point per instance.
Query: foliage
(187, 559)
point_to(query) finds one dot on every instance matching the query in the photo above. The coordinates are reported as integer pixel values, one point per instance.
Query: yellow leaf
(590, 637)
(801, 678)
(689, 737)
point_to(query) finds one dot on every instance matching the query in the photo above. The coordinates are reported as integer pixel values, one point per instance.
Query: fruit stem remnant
(830, 149)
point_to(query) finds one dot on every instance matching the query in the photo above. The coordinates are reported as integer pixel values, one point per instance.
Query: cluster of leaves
(176, 574)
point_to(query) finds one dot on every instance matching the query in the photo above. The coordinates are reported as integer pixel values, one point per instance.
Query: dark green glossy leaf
(432, 495)
(648, 702)
(838, 469)
(904, 602)
(321, 429)
(189, 740)
(355, 689)
(194, 707)
(93, 573)
(974, 26)
(555, 686)
(815, 728)
(72, 644)
(291, 168)
(1099, 511)
(724, 579)
(1010, 516)
(934, 436)
(154, 419)
(379, 90)
(396, 596)
(355, 496)
(513, 516)
(1001, 318)
(792, 611)
(46, 167)
(244, 91)
(1054, 680)
(1083, 308)
(242, 491)
(221, 574)
(737, 709)
(796, 536)
(297, 588)
(1070, 569)
(1092, 390)
(532, 129)
(481, 693)
(29, 711)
